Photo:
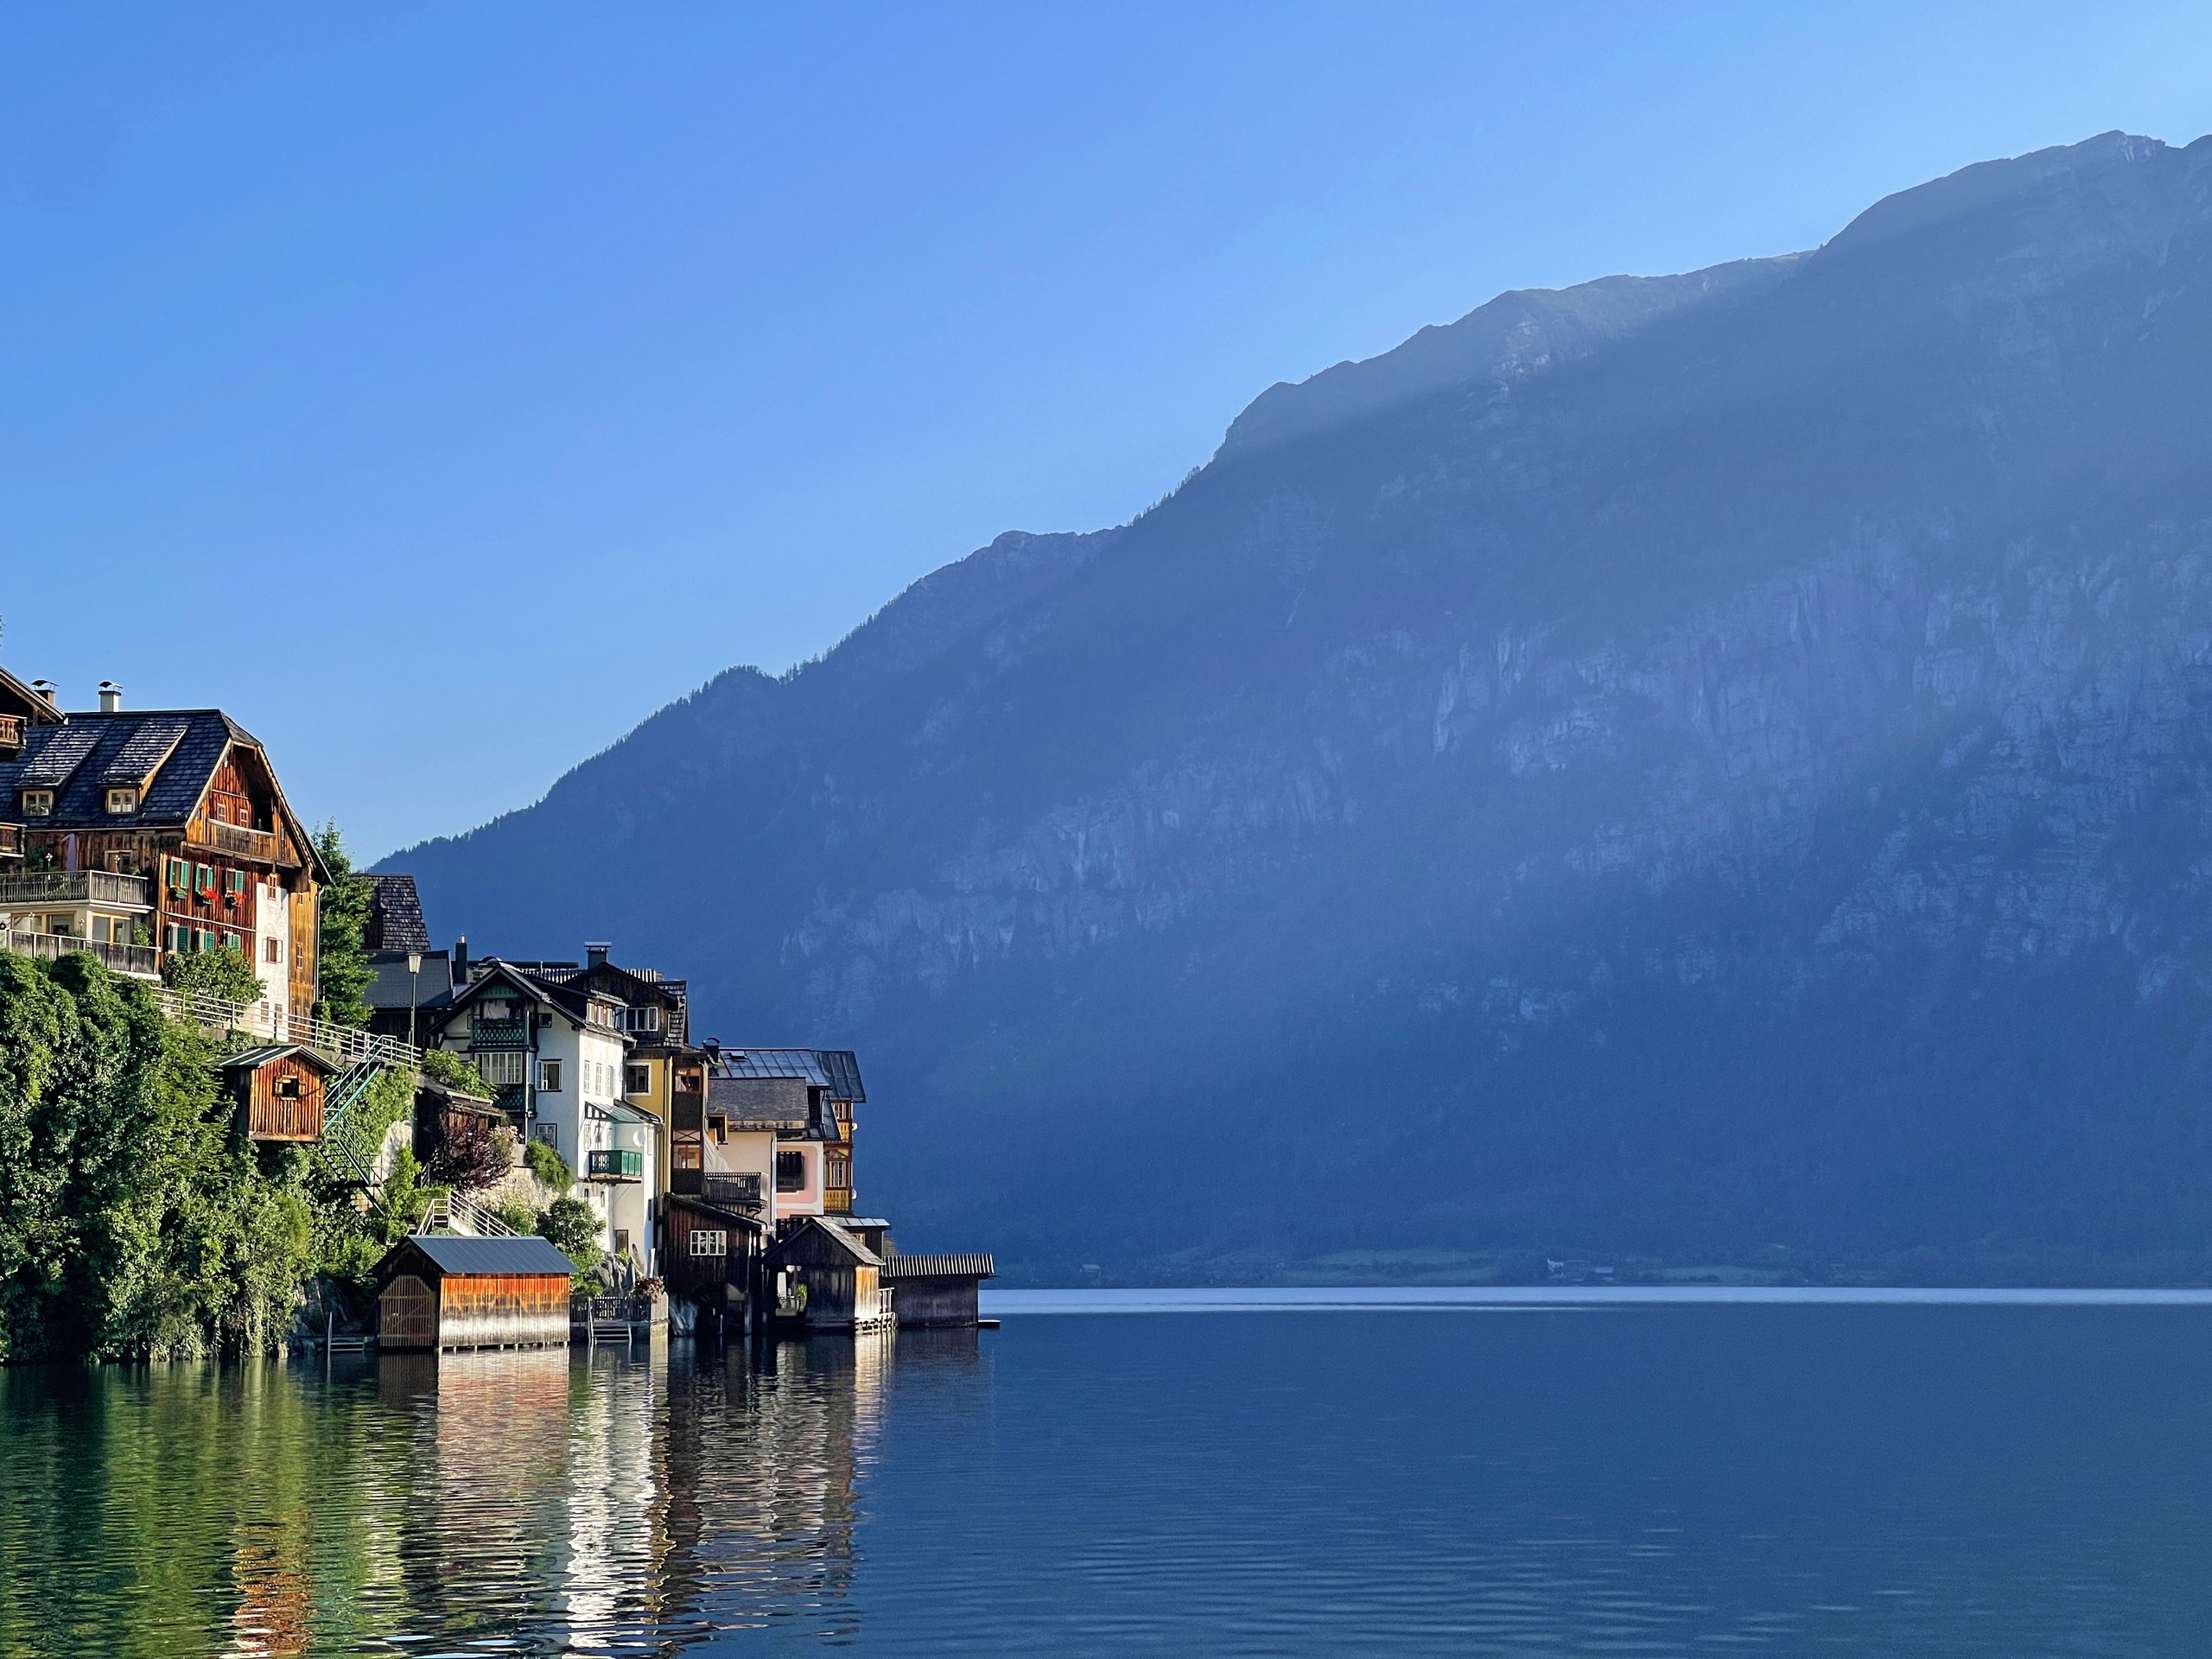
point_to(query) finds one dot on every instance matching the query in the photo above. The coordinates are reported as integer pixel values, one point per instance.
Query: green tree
(342, 973)
(572, 1226)
(136, 1221)
(454, 1073)
(225, 975)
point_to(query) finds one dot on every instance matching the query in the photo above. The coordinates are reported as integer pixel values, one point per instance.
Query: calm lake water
(1201, 1474)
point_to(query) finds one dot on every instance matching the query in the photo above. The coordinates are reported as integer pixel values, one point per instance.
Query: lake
(1190, 1474)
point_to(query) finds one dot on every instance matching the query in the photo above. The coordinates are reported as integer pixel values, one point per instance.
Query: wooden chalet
(279, 1090)
(826, 1279)
(150, 835)
(442, 1291)
(938, 1290)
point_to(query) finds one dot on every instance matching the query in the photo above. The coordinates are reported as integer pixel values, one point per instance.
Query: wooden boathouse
(443, 1291)
(936, 1290)
(827, 1280)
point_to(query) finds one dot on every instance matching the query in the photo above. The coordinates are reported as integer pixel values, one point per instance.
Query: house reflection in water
(597, 1500)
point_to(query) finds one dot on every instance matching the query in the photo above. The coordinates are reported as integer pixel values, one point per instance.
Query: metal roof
(451, 1253)
(253, 1059)
(770, 1063)
(939, 1267)
(844, 1069)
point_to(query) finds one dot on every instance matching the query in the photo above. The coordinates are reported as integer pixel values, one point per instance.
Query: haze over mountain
(1710, 769)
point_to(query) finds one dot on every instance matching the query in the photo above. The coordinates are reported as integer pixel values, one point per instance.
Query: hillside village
(555, 1155)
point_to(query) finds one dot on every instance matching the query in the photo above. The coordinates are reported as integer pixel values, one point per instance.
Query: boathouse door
(407, 1314)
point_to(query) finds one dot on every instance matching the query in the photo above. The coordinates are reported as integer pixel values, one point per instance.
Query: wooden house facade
(150, 834)
(713, 1259)
(441, 1292)
(279, 1091)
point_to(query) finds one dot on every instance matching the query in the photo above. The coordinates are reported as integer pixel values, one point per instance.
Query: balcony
(615, 1165)
(500, 1034)
(11, 736)
(11, 841)
(259, 845)
(740, 1193)
(837, 1200)
(77, 887)
(132, 961)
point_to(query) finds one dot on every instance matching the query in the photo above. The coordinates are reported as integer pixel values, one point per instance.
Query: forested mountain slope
(1713, 769)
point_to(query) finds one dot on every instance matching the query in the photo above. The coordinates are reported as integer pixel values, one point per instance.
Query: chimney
(111, 698)
(50, 690)
(460, 962)
(595, 954)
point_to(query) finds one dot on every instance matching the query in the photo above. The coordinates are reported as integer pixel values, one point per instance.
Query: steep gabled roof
(395, 915)
(16, 697)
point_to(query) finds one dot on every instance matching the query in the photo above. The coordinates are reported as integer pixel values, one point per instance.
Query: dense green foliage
(551, 1168)
(573, 1227)
(134, 1221)
(342, 973)
(454, 1073)
(225, 975)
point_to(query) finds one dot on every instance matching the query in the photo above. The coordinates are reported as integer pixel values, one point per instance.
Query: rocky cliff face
(1690, 768)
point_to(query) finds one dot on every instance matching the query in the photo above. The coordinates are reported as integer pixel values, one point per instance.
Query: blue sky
(442, 391)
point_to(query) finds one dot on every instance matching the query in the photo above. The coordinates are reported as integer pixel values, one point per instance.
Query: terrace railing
(76, 887)
(11, 734)
(132, 961)
(340, 1043)
(500, 1034)
(11, 841)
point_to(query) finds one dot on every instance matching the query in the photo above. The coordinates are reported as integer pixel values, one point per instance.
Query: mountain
(1710, 770)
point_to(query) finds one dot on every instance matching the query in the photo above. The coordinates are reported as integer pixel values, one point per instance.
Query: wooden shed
(827, 1280)
(713, 1258)
(279, 1090)
(442, 1292)
(938, 1289)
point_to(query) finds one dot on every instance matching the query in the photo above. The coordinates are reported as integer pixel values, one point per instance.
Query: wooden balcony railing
(500, 1034)
(260, 845)
(76, 887)
(11, 734)
(837, 1200)
(11, 841)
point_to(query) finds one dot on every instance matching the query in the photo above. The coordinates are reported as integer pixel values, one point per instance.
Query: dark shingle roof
(495, 1255)
(74, 760)
(938, 1267)
(395, 915)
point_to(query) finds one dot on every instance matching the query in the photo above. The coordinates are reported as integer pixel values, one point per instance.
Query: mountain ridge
(1496, 782)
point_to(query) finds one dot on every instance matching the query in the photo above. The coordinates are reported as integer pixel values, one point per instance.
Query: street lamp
(414, 979)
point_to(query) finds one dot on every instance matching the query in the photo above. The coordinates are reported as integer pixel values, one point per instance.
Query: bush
(225, 975)
(549, 1167)
(572, 1226)
(472, 1153)
(516, 1215)
(451, 1071)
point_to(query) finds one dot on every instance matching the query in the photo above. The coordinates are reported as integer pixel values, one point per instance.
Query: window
(38, 803)
(121, 803)
(791, 1172)
(288, 1088)
(203, 881)
(549, 1132)
(621, 1241)
(502, 1067)
(638, 1079)
(64, 924)
(646, 1018)
(273, 949)
(719, 1127)
(549, 1077)
(710, 1241)
(175, 936)
(233, 885)
(177, 876)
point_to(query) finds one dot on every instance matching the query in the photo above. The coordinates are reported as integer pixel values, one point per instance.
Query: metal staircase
(450, 1213)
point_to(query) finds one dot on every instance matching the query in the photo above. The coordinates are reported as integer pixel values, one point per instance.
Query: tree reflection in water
(586, 1501)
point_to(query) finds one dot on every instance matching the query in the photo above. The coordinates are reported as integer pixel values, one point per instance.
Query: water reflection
(1908, 1481)
(580, 1504)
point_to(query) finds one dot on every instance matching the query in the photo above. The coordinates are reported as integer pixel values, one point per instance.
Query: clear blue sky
(442, 391)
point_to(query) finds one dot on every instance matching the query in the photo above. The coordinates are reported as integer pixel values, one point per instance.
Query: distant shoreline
(1279, 1298)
